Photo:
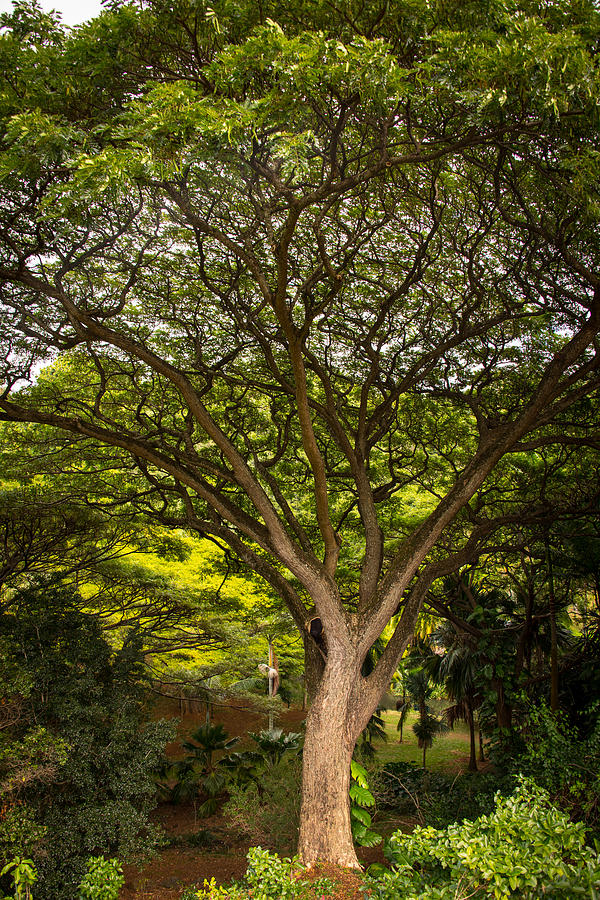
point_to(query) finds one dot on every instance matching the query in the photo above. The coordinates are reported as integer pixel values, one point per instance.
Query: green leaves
(360, 799)
(103, 880)
(520, 60)
(35, 141)
(526, 848)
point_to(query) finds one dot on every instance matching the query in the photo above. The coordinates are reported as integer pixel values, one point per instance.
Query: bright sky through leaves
(72, 12)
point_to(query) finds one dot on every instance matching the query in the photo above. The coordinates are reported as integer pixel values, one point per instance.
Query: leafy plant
(374, 731)
(563, 763)
(103, 880)
(273, 744)
(199, 772)
(210, 890)
(428, 725)
(90, 743)
(24, 875)
(403, 708)
(361, 799)
(270, 748)
(436, 798)
(525, 849)
(267, 808)
(270, 877)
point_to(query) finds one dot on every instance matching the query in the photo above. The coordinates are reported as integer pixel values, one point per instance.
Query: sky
(73, 12)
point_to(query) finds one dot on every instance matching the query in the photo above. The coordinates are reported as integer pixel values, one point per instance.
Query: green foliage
(272, 745)
(426, 729)
(271, 878)
(304, 263)
(265, 788)
(420, 689)
(361, 799)
(20, 829)
(375, 731)
(266, 808)
(92, 791)
(210, 890)
(103, 880)
(437, 798)
(563, 763)
(524, 849)
(268, 877)
(199, 773)
(270, 748)
(24, 875)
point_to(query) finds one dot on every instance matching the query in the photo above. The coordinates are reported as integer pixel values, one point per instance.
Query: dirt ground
(178, 866)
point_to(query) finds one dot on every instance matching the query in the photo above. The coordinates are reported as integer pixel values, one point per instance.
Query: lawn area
(450, 751)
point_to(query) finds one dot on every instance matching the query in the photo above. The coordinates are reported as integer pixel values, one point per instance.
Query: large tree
(317, 271)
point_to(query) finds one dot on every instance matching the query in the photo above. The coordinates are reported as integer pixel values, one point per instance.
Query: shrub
(267, 809)
(199, 774)
(87, 785)
(103, 880)
(268, 877)
(436, 798)
(526, 848)
(23, 874)
(567, 766)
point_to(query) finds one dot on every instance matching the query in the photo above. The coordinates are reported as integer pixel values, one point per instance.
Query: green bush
(86, 767)
(567, 766)
(20, 830)
(199, 774)
(103, 880)
(23, 874)
(268, 877)
(525, 849)
(436, 798)
(267, 810)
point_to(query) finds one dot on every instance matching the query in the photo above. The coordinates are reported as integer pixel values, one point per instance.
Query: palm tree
(428, 725)
(198, 771)
(457, 670)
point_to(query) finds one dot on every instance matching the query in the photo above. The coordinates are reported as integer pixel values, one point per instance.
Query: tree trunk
(325, 832)
(554, 703)
(314, 665)
(503, 710)
(481, 753)
(473, 752)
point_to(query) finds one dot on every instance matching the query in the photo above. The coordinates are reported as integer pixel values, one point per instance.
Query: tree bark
(325, 832)
(314, 665)
(503, 709)
(473, 752)
(554, 673)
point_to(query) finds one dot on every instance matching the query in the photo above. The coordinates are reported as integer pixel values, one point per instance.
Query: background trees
(77, 757)
(298, 275)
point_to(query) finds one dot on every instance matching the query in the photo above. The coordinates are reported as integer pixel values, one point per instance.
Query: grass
(450, 751)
